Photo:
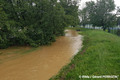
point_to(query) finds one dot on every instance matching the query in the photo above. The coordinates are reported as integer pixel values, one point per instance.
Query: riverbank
(99, 56)
(40, 63)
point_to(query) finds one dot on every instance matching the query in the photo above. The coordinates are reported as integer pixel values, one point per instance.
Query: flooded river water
(42, 63)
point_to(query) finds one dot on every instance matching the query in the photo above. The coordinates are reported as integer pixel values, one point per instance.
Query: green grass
(100, 55)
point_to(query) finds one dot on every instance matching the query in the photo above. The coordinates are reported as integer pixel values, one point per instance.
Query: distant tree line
(99, 13)
(35, 22)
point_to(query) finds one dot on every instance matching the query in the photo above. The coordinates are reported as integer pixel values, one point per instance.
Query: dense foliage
(34, 22)
(99, 13)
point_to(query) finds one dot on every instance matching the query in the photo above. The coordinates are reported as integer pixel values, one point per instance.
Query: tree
(83, 17)
(99, 13)
(4, 27)
(71, 11)
(104, 8)
(34, 22)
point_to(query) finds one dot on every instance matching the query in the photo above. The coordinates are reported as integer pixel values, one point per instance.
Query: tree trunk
(108, 29)
(104, 28)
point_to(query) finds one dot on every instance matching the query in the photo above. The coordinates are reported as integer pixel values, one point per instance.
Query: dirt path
(43, 63)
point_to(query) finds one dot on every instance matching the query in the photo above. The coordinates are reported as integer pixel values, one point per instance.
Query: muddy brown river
(42, 63)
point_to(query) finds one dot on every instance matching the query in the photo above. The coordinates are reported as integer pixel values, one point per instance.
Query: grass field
(100, 55)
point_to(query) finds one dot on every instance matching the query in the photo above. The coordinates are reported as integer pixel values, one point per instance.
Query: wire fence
(113, 30)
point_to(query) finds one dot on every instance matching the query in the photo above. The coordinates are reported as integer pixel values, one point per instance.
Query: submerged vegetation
(100, 55)
(35, 22)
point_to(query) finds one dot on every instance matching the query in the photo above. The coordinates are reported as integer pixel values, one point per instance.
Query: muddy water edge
(42, 63)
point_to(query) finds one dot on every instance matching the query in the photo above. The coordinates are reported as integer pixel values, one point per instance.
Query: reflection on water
(44, 63)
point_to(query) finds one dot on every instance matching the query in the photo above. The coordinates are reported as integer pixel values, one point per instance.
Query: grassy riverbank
(100, 55)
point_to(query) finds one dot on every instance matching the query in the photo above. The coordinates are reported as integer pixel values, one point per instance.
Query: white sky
(117, 3)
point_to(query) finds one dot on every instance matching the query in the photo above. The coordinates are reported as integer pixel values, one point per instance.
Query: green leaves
(71, 11)
(99, 13)
(34, 22)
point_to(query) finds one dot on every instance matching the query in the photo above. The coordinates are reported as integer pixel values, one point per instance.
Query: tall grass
(99, 56)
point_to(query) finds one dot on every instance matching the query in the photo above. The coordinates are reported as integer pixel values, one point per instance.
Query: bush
(3, 46)
(33, 45)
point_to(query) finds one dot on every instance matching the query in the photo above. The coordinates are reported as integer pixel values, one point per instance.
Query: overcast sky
(117, 3)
